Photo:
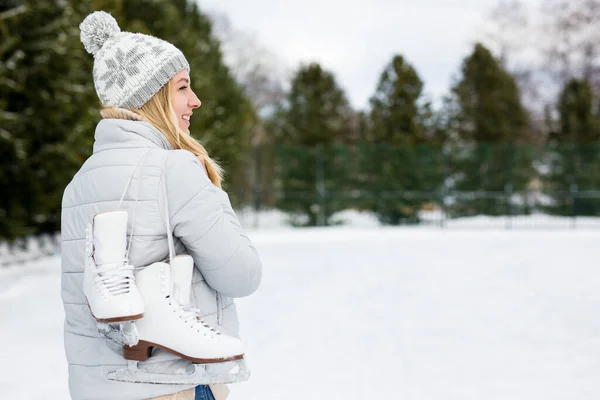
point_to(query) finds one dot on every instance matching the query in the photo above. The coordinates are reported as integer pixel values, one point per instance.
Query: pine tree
(314, 118)
(400, 157)
(575, 151)
(45, 111)
(489, 128)
(49, 107)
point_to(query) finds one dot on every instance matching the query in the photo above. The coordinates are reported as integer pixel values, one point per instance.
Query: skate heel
(139, 352)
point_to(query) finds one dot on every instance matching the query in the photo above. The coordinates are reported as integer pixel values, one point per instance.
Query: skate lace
(117, 278)
(191, 316)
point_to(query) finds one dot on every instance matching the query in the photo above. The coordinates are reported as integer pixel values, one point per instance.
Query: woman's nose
(194, 102)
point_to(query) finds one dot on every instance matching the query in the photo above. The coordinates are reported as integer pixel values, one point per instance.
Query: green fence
(408, 184)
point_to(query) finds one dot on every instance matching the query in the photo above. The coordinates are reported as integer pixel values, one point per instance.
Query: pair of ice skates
(156, 297)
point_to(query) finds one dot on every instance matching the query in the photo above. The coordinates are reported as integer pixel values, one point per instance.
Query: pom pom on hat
(96, 29)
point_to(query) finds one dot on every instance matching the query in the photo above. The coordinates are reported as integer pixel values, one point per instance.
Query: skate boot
(108, 282)
(170, 323)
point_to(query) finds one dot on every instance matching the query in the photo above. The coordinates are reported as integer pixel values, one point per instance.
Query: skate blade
(238, 372)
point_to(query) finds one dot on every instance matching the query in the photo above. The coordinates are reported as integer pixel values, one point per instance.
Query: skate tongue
(110, 267)
(110, 237)
(180, 295)
(114, 260)
(182, 268)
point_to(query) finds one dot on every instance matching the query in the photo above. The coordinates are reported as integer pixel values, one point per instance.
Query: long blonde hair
(159, 112)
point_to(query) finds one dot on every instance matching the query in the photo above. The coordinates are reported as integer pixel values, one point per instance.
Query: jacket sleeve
(203, 219)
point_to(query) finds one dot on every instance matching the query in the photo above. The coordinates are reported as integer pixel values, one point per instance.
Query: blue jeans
(203, 393)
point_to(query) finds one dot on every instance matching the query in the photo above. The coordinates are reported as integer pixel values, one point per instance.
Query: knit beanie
(129, 68)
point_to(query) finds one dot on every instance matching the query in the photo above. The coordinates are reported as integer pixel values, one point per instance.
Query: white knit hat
(129, 68)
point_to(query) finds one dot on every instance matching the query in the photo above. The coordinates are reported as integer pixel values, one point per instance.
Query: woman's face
(184, 100)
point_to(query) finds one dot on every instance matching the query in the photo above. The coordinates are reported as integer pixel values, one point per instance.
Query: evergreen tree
(489, 128)
(575, 151)
(49, 107)
(46, 125)
(314, 118)
(399, 157)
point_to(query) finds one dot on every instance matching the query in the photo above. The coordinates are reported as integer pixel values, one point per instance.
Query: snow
(275, 219)
(362, 311)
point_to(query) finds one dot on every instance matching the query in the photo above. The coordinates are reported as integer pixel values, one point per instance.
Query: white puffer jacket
(204, 226)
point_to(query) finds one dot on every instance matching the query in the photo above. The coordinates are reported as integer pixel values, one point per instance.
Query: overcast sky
(356, 38)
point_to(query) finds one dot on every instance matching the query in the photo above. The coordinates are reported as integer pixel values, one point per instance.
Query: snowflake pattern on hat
(121, 67)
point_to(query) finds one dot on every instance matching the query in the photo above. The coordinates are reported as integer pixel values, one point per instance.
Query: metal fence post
(257, 184)
(443, 191)
(320, 186)
(573, 188)
(573, 192)
(508, 195)
(508, 182)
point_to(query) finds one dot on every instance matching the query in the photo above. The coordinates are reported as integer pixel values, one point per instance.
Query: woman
(143, 150)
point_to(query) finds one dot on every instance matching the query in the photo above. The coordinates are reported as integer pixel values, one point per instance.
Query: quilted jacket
(204, 225)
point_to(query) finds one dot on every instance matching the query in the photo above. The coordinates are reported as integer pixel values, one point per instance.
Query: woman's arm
(203, 219)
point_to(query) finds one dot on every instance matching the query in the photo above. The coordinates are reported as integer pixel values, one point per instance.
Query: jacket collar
(119, 133)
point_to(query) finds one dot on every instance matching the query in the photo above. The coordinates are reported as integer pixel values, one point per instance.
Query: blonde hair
(159, 112)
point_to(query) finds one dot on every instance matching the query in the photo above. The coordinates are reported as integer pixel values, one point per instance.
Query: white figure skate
(170, 323)
(109, 282)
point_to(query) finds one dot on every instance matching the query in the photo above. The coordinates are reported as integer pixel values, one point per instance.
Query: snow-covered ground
(375, 313)
(275, 219)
